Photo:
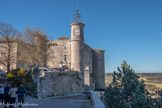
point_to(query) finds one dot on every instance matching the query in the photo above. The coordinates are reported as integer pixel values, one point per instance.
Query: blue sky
(128, 30)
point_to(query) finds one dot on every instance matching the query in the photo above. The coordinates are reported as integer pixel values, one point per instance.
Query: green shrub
(30, 87)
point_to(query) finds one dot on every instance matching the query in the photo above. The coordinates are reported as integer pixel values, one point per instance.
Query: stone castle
(86, 66)
(75, 54)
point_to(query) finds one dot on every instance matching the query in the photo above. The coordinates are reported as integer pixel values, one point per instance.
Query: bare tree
(8, 44)
(37, 48)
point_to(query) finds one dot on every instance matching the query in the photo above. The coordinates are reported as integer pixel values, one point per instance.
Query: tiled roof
(64, 37)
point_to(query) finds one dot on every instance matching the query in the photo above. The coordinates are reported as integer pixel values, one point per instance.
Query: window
(65, 58)
(52, 44)
(64, 47)
(45, 70)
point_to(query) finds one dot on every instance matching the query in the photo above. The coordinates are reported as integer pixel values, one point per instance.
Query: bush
(19, 76)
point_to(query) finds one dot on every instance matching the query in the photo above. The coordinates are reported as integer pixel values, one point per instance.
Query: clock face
(76, 32)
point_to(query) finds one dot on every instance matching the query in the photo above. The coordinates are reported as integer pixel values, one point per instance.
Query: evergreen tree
(127, 91)
(159, 99)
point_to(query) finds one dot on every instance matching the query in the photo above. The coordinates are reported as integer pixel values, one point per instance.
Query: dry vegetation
(153, 81)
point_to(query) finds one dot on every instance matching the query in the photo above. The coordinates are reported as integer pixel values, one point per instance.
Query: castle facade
(76, 55)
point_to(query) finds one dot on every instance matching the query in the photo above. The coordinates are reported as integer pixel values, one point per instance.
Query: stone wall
(60, 84)
(96, 101)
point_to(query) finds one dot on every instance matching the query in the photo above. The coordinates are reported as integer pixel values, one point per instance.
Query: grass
(153, 81)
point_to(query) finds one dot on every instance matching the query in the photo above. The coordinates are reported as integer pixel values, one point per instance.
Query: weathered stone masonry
(60, 84)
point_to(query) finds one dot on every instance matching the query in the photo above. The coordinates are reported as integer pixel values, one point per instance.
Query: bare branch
(8, 37)
(37, 49)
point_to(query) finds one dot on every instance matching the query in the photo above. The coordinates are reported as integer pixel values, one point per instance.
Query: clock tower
(77, 39)
(77, 32)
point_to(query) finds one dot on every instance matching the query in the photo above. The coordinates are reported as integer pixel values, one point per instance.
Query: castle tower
(99, 68)
(77, 38)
